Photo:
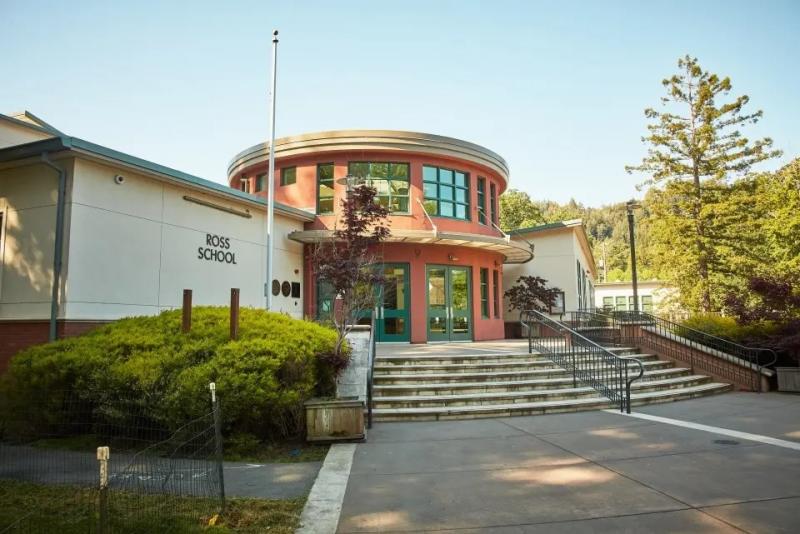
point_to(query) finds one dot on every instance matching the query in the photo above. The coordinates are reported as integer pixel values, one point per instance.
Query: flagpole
(271, 176)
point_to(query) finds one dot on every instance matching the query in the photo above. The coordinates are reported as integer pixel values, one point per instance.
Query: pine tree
(695, 147)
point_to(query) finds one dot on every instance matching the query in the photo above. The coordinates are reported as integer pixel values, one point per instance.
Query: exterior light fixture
(452, 257)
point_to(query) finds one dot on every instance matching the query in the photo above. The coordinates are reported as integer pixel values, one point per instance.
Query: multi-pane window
(647, 303)
(288, 175)
(390, 179)
(244, 185)
(621, 303)
(484, 292)
(493, 203)
(261, 182)
(631, 303)
(608, 303)
(481, 200)
(496, 290)
(325, 188)
(446, 192)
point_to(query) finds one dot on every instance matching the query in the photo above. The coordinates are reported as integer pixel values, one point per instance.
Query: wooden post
(234, 313)
(186, 324)
(102, 458)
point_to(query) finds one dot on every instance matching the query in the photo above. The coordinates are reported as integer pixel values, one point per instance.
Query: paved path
(583, 472)
(52, 466)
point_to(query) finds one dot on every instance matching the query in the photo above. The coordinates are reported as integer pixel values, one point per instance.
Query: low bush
(262, 378)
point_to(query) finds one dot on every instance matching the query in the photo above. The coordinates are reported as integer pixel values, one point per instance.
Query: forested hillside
(607, 227)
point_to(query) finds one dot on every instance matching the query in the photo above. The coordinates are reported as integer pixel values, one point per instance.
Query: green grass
(71, 510)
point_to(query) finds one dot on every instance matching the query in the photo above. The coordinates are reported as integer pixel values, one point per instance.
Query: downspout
(59, 245)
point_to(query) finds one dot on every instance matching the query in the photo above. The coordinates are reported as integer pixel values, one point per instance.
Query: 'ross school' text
(220, 251)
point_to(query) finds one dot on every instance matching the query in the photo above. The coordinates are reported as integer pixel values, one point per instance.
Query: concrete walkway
(583, 472)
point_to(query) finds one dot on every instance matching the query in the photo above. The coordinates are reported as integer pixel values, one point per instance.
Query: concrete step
(452, 388)
(385, 365)
(526, 363)
(528, 396)
(545, 370)
(545, 406)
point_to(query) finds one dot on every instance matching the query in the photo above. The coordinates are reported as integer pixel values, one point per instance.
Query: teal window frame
(647, 303)
(484, 292)
(388, 196)
(261, 182)
(327, 181)
(433, 188)
(289, 175)
(325, 299)
(608, 303)
(481, 200)
(496, 291)
(620, 303)
(493, 203)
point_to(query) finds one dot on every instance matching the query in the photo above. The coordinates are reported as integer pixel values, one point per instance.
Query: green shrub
(728, 328)
(262, 378)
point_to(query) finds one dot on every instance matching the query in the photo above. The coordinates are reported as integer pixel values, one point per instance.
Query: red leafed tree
(347, 262)
(531, 293)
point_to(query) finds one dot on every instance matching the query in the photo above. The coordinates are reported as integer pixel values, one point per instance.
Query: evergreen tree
(695, 148)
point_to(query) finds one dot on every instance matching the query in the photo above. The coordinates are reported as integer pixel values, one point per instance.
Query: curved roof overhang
(514, 252)
(381, 140)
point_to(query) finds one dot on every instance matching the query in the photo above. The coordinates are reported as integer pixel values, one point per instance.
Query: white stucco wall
(554, 260)
(12, 134)
(131, 249)
(28, 203)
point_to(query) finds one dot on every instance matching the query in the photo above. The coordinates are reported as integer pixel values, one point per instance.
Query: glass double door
(393, 304)
(449, 317)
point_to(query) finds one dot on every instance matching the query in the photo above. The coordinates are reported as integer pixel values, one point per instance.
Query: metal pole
(634, 280)
(271, 175)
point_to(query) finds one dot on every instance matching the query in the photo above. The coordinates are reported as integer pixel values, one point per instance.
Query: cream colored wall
(554, 260)
(28, 202)
(14, 134)
(134, 248)
(131, 249)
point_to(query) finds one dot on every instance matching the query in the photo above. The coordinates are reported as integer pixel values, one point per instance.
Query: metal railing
(587, 360)
(371, 368)
(743, 365)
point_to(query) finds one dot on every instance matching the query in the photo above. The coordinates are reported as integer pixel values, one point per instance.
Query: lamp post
(630, 206)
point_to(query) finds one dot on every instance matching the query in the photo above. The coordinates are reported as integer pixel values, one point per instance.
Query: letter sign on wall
(217, 249)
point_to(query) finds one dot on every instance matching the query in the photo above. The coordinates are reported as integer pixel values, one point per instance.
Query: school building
(89, 234)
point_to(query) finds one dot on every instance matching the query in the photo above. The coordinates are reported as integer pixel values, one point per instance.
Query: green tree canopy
(694, 149)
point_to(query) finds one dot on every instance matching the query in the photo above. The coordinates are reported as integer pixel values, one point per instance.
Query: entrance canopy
(514, 252)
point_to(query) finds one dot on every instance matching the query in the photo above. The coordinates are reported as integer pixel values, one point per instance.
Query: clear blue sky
(557, 88)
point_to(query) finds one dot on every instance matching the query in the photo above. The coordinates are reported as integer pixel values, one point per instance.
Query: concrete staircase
(430, 387)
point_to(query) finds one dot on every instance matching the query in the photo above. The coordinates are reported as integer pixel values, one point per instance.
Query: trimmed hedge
(262, 378)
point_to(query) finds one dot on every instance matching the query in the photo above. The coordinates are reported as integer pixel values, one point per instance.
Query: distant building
(564, 258)
(619, 296)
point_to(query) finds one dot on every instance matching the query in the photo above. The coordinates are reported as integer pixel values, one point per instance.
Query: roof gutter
(59, 245)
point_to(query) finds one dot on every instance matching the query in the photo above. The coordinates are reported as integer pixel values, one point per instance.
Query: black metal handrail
(589, 362)
(371, 368)
(752, 360)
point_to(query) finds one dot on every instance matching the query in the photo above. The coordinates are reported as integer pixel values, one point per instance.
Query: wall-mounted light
(452, 257)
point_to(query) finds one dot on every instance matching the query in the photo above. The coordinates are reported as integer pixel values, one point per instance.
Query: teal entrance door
(449, 303)
(393, 304)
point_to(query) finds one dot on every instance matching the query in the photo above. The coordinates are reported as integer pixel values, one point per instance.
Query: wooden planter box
(788, 378)
(335, 419)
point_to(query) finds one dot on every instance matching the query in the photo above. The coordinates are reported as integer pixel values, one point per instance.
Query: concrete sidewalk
(583, 472)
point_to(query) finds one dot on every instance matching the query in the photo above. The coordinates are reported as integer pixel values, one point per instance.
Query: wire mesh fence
(77, 462)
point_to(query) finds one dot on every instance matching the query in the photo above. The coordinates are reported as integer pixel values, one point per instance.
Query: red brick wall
(18, 335)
